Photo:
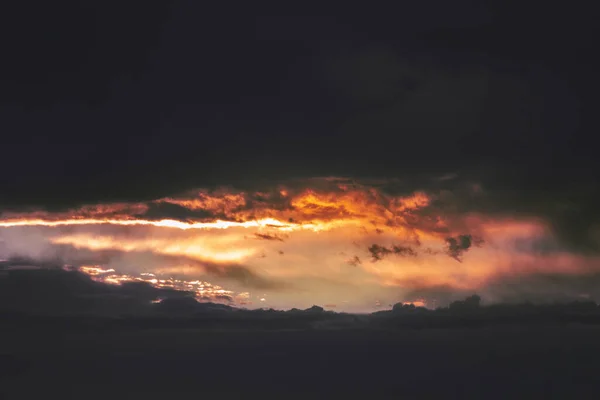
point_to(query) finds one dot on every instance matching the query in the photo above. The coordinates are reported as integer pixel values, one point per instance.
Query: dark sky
(102, 102)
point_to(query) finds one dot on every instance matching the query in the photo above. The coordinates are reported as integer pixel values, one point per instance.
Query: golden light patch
(314, 239)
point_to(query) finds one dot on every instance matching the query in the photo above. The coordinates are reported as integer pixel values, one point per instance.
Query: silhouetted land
(521, 315)
(65, 336)
(186, 313)
(493, 362)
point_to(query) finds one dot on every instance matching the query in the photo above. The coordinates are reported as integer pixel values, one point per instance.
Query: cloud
(180, 305)
(164, 210)
(543, 287)
(522, 283)
(424, 219)
(181, 265)
(538, 245)
(562, 202)
(354, 261)
(457, 246)
(379, 77)
(28, 262)
(59, 291)
(223, 297)
(269, 236)
(435, 295)
(378, 252)
(244, 276)
(134, 261)
(69, 292)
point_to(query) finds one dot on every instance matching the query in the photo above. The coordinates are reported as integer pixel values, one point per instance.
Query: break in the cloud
(322, 241)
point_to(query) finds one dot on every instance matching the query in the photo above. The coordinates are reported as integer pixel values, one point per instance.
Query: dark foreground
(491, 362)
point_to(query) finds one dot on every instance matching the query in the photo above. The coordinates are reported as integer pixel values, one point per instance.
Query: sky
(276, 160)
(333, 242)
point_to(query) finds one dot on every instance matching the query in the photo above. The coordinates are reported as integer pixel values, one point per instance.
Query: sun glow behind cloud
(201, 290)
(330, 241)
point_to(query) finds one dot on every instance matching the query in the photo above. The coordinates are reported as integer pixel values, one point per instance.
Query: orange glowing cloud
(217, 249)
(337, 242)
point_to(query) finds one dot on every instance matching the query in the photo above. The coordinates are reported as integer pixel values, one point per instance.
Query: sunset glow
(340, 244)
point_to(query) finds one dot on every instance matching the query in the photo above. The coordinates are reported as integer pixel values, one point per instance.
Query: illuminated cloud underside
(330, 242)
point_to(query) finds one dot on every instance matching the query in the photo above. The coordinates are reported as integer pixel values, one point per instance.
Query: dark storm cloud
(566, 204)
(372, 77)
(393, 79)
(189, 306)
(437, 101)
(512, 106)
(61, 291)
(568, 207)
(69, 291)
(481, 94)
(178, 306)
